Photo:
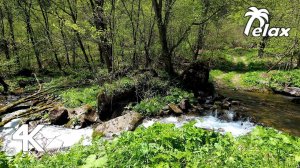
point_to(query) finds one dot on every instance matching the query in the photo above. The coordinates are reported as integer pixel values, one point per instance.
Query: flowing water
(210, 122)
(272, 110)
(51, 138)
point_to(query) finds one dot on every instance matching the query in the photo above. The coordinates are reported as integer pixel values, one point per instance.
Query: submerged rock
(127, 122)
(293, 91)
(296, 100)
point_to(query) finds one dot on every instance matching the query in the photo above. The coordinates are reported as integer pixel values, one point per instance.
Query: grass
(163, 145)
(257, 79)
(76, 97)
(242, 69)
(151, 86)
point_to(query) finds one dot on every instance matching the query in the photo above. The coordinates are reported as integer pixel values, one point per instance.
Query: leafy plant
(152, 106)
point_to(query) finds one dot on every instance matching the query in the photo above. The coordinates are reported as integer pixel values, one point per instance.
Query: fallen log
(36, 97)
(26, 113)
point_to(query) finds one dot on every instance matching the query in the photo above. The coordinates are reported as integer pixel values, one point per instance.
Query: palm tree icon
(261, 14)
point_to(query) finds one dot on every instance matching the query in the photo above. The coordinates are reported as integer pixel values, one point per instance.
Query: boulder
(184, 104)
(112, 105)
(86, 113)
(292, 91)
(82, 116)
(127, 122)
(226, 105)
(59, 116)
(195, 78)
(174, 108)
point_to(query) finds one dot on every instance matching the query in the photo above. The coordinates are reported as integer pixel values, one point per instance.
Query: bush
(152, 106)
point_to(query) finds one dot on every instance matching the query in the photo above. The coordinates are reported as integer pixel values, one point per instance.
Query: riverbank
(163, 145)
(242, 69)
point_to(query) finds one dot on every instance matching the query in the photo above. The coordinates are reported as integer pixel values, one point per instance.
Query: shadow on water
(272, 110)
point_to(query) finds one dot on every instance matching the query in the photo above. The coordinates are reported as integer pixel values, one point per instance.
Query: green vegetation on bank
(77, 96)
(242, 69)
(163, 145)
(152, 106)
(257, 79)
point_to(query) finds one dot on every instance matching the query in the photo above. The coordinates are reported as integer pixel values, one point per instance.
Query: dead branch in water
(28, 112)
(36, 98)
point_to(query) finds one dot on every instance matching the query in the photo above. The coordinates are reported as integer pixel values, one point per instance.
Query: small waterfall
(209, 122)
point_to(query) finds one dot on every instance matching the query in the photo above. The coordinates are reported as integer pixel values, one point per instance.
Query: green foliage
(3, 160)
(280, 79)
(152, 106)
(117, 86)
(254, 79)
(76, 97)
(77, 156)
(163, 145)
(258, 79)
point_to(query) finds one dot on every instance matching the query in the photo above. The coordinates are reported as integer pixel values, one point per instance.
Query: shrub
(152, 106)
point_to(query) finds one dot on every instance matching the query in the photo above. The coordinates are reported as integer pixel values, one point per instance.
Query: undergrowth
(152, 106)
(163, 145)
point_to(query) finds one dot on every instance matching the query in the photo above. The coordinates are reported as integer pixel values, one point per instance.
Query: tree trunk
(48, 34)
(26, 9)
(33, 42)
(5, 85)
(166, 56)
(298, 63)
(262, 46)
(10, 20)
(3, 42)
(105, 48)
(73, 15)
(201, 31)
(64, 42)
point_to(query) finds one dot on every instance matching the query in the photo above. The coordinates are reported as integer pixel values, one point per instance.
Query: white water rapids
(54, 138)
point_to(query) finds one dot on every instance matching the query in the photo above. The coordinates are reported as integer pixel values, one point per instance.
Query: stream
(271, 110)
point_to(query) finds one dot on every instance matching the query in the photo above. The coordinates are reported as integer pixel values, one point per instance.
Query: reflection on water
(272, 110)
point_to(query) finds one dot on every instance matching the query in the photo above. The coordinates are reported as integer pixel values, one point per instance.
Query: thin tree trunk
(64, 42)
(3, 41)
(298, 62)
(201, 30)
(33, 42)
(5, 85)
(262, 46)
(73, 15)
(26, 9)
(10, 20)
(162, 28)
(48, 34)
(105, 48)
